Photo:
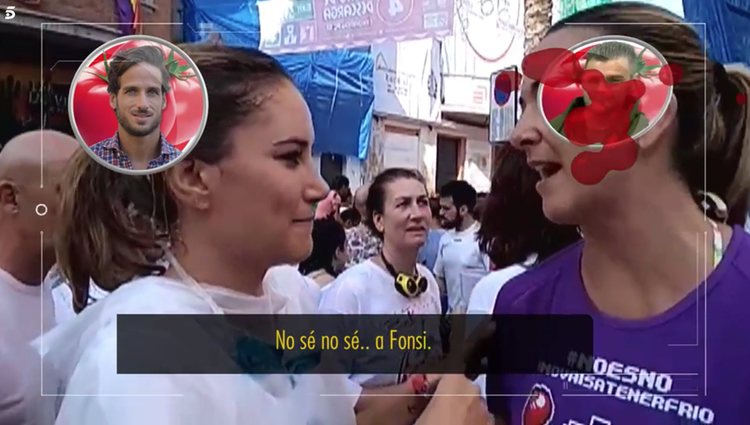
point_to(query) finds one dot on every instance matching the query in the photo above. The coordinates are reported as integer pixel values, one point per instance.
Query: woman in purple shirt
(667, 286)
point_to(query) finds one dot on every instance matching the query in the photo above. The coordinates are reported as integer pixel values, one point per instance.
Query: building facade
(45, 43)
(432, 98)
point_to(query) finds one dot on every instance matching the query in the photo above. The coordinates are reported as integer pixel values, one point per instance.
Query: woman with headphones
(393, 282)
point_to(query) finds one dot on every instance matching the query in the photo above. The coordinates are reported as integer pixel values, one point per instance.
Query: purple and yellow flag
(128, 16)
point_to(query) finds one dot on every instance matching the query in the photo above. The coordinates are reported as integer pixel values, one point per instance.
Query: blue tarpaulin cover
(337, 84)
(727, 29)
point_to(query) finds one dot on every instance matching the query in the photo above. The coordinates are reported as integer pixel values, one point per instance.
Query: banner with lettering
(407, 78)
(305, 25)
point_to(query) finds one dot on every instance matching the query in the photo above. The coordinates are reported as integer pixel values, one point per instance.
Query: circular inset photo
(138, 104)
(604, 91)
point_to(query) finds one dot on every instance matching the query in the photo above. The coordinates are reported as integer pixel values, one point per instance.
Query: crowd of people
(245, 225)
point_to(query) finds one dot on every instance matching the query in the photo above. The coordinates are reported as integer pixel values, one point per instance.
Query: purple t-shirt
(689, 365)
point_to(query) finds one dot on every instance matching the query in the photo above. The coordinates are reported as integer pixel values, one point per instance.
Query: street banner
(293, 26)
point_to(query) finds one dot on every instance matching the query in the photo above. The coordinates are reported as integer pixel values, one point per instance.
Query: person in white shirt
(28, 211)
(253, 161)
(514, 231)
(399, 211)
(460, 263)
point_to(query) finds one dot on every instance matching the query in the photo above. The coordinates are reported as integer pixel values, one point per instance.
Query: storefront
(37, 68)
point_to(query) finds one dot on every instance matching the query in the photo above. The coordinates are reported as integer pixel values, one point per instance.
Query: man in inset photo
(618, 63)
(138, 85)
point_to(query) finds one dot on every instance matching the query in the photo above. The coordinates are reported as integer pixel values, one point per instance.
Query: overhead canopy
(725, 29)
(337, 84)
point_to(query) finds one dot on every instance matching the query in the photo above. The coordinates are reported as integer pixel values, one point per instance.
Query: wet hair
(717, 114)
(126, 59)
(113, 227)
(351, 215)
(462, 193)
(339, 182)
(376, 195)
(513, 224)
(435, 207)
(613, 50)
(479, 207)
(328, 235)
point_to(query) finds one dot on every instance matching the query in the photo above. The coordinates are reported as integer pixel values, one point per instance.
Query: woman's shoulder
(531, 290)
(174, 398)
(155, 295)
(499, 277)
(351, 289)
(360, 274)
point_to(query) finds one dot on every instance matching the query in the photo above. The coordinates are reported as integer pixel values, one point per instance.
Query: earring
(580, 232)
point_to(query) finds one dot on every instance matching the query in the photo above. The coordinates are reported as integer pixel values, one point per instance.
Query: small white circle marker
(41, 210)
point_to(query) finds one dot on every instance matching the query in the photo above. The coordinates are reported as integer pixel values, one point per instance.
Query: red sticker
(605, 93)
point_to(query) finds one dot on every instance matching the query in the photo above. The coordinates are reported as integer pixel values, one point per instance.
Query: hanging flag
(128, 16)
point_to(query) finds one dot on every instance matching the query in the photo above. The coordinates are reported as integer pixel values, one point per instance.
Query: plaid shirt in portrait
(111, 151)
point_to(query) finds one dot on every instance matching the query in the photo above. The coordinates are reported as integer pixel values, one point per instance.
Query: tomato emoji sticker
(539, 408)
(138, 104)
(602, 95)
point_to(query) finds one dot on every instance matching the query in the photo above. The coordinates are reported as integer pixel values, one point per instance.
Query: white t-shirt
(81, 354)
(20, 388)
(461, 264)
(25, 311)
(485, 292)
(369, 289)
(482, 300)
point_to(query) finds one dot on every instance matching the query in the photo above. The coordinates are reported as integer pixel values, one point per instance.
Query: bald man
(27, 208)
(360, 241)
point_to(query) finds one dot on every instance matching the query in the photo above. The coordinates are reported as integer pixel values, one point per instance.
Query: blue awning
(726, 27)
(236, 23)
(339, 88)
(337, 85)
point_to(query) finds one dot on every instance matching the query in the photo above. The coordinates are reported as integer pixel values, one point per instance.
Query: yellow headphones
(410, 286)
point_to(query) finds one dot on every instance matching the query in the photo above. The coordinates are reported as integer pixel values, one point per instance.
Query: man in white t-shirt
(460, 264)
(27, 218)
(27, 213)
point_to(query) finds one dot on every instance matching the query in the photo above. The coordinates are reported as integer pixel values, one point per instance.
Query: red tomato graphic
(181, 118)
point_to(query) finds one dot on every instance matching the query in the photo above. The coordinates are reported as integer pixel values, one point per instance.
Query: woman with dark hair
(398, 212)
(664, 278)
(480, 206)
(350, 218)
(328, 252)
(197, 239)
(514, 231)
